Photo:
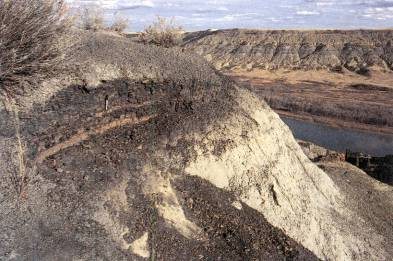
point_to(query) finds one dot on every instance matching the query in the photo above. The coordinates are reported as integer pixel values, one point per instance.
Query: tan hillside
(258, 49)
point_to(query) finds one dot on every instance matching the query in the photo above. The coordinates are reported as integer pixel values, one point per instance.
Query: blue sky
(258, 14)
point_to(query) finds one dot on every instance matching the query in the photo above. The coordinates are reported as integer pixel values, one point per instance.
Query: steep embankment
(253, 49)
(183, 163)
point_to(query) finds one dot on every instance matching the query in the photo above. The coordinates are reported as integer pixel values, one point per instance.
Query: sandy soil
(96, 195)
(367, 194)
(107, 182)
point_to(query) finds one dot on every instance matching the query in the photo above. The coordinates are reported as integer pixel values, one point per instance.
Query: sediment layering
(350, 71)
(181, 164)
(256, 49)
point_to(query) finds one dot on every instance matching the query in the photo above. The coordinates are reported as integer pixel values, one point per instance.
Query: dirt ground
(85, 195)
(341, 99)
(127, 162)
(367, 194)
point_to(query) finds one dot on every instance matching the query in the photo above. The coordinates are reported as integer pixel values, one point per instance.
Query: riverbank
(344, 99)
(341, 139)
(332, 122)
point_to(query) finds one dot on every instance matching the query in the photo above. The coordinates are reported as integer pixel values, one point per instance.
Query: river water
(340, 139)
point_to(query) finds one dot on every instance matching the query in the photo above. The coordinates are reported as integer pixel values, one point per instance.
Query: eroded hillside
(137, 152)
(252, 49)
(350, 71)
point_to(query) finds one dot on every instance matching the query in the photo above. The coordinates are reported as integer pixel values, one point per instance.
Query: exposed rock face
(355, 50)
(187, 165)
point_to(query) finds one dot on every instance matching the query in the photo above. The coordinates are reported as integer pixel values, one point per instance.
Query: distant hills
(355, 50)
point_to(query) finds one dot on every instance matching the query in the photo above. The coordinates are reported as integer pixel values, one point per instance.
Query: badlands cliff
(134, 152)
(354, 50)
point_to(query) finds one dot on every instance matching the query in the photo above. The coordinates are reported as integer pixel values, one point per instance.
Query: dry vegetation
(30, 36)
(343, 99)
(18, 177)
(119, 24)
(164, 32)
(358, 112)
(92, 19)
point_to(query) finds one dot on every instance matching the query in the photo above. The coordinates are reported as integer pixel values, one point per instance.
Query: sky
(257, 14)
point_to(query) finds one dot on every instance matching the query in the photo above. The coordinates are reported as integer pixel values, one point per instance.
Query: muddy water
(340, 139)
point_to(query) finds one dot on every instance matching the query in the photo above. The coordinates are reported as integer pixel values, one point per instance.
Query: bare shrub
(163, 32)
(30, 34)
(119, 24)
(92, 18)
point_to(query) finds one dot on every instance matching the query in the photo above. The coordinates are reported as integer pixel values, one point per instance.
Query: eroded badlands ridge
(182, 164)
(350, 71)
(257, 49)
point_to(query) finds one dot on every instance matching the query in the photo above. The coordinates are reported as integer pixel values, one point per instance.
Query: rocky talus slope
(256, 49)
(137, 152)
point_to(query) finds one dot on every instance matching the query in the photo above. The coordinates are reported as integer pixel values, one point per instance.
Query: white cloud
(379, 13)
(222, 8)
(113, 4)
(253, 13)
(227, 18)
(324, 4)
(305, 12)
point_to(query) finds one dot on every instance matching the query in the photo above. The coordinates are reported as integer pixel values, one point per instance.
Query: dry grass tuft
(120, 24)
(19, 177)
(163, 32)
(30, 39)
(92, 19)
